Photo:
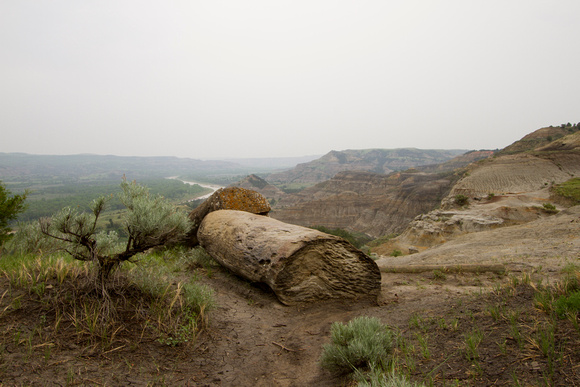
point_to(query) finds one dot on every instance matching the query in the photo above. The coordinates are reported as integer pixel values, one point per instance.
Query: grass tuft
(362, 343)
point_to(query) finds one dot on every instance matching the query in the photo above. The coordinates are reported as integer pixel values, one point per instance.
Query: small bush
(196, 258)
(176, 311)
(28, 239)
(380, 379)
(569, 304)
(563, 298)
(396, 253)
(361, 344)
(569, 189)
(461, 200)
(549, 208)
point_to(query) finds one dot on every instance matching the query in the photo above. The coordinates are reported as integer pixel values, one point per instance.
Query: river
(213, 187)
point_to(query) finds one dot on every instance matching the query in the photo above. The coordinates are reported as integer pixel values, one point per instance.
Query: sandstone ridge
(375, 204)
(507, 190)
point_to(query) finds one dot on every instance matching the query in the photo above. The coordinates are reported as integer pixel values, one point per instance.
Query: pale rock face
(504, 191)
(438, 226)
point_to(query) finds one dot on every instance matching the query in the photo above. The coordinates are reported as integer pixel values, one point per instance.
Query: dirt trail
(253, 340)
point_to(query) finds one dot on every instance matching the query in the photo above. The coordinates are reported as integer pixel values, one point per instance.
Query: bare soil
(253, 340)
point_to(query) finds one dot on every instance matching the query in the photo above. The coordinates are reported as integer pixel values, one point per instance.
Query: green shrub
(569, 189)
(361, 344)
(10, 208)
(28, 239)
(569, 304)
(549, 208)
(439, 275)
(461, 200)
(396, 253)
(150, 221)
(176, 309)
(198, 257)
(380, 379)
(563, 298)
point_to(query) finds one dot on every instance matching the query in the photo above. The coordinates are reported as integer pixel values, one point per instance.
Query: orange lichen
(241, 199)
(231, 198)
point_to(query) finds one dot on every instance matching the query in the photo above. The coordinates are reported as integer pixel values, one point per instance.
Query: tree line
(50, 199)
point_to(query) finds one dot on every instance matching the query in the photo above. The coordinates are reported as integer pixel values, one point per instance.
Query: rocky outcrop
(523, 172)
(440, 226)
(230, 198)
(546, 241)
(513, 174)
(500, 191)
(365, 202)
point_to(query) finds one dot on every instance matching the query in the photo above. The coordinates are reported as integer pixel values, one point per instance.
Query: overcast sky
(222, 79)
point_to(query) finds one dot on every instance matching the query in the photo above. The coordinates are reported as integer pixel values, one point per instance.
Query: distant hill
(539, 138)
(273, 163)
(457, 162)
(371, 203)
(256, 183)
(381, 161)
(378, 204)
(515, 188)
(95, 167)
(527, 170)
(374, 203)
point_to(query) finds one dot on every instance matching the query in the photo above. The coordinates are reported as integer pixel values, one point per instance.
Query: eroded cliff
(365, 202)
(496, 192)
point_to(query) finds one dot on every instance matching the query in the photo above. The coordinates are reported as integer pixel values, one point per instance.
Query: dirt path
(253, 340)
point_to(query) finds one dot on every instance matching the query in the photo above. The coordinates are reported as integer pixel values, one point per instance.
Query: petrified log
(230, 198)
(299, 264)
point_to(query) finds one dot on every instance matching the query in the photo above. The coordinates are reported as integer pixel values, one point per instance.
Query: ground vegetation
(10, 207)
(150, 221)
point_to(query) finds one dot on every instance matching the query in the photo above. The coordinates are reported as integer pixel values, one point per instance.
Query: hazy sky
(217, 79)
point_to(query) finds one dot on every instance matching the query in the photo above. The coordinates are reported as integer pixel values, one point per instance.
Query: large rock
(231, 198)
(299, 264)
